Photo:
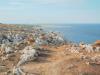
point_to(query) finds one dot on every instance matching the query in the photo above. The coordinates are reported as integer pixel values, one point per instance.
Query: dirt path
(56, 61)
(54, 64)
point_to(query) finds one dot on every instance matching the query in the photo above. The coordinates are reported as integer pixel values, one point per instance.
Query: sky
(49, 11)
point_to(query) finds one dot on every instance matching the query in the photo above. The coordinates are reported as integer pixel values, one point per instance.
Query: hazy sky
(50, 11)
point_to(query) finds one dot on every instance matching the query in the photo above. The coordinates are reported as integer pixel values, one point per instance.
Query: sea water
(87, 33)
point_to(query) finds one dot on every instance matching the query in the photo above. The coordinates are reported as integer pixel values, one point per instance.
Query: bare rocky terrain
(53, 58)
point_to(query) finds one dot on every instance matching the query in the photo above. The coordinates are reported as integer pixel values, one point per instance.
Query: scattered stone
(17, 71)
(28, 54)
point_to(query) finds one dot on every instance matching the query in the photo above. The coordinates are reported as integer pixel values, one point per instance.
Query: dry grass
(56, 61)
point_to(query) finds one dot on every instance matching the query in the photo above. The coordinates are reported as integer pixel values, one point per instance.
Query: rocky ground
(55, 60)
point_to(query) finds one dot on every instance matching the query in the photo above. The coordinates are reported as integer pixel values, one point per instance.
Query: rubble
(50, 39)
(28, 54)
(22, 46)
(17, 71)
(74, 49)
(97, 49)
(95, 60)
(20, 71)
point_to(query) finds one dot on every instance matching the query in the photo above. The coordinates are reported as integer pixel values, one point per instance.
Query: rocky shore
(33, 51)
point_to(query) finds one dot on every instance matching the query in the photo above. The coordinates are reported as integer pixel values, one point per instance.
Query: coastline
(54, 58)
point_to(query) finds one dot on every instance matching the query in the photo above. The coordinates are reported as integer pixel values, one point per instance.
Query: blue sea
(87, 33)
